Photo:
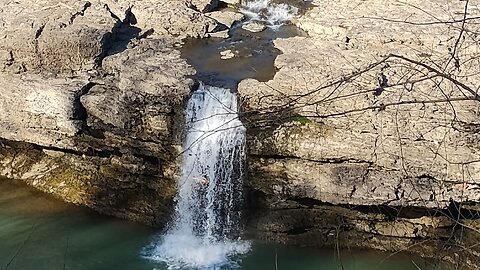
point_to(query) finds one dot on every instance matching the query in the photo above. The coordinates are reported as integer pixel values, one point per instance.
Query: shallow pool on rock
(38, 232)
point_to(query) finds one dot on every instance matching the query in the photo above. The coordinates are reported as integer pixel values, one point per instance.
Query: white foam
(188, 251)
(257, 6)
(273, 14)
(280, 13)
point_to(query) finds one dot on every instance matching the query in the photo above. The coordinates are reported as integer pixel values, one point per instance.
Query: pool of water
(252, 54)
(38, 232)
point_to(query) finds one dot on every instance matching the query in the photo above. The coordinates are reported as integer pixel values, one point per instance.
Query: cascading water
(206, 226)
(273, 14)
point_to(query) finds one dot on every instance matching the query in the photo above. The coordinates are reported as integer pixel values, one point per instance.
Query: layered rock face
(92, 96)
(378, 106)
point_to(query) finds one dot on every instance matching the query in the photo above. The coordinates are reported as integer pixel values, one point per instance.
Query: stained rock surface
(373, 113)
(370, 125)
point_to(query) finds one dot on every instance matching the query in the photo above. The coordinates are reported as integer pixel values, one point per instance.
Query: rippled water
(37, 232)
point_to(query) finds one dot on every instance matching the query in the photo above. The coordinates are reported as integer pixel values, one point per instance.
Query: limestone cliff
(92, 96)
(369, 129)
(375, 111)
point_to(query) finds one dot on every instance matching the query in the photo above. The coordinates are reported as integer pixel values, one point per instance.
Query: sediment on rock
(339, 228)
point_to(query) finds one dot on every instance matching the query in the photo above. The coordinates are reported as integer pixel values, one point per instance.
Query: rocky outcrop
(91, 101)
(373, 120)
(376, 107)
(122, 185)
(392, 122)
(368, 131)
(306, 222)
(138, 103)
(34, 111)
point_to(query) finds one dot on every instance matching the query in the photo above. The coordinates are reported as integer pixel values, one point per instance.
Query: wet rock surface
(125, 186)
(254, 27)
(351, 227)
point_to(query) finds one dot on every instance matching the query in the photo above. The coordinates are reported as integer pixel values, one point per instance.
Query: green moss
(302, 120)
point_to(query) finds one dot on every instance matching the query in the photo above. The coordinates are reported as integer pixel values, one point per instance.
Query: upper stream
(244, 54)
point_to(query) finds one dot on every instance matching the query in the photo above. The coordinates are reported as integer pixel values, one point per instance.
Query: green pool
(38, 232)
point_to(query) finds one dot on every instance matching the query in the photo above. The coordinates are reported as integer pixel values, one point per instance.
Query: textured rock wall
(69, 36)
(368, 115)
(377, 106)
(95, 92)
(125, 186)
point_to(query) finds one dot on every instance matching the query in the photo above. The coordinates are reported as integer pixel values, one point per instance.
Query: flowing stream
(273, 14)
(253, 53)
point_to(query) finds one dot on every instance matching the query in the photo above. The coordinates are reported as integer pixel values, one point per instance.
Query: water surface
(38, 232)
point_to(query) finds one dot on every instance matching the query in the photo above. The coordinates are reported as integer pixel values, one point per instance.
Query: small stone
(227, 54)
(220, 34)
(227, 18)
(254, 27)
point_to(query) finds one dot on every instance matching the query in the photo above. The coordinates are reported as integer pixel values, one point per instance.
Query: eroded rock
(124, 186)
(74, 36)
(372, 108)
(98, 100)
(41, 111)
(355, 105)
(227, 18)
(254, 27)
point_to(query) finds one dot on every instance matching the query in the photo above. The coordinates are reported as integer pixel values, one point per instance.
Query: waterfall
(206, 226)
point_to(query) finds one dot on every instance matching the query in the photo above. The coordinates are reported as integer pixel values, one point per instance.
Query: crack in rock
(80, 13)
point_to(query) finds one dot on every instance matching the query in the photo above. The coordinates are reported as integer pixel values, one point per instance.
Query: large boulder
(140, 99)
